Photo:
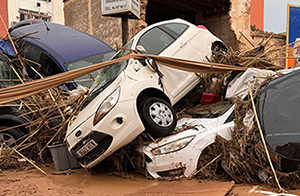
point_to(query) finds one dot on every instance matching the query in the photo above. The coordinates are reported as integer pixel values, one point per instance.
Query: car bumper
(182, 163)
(114, 131)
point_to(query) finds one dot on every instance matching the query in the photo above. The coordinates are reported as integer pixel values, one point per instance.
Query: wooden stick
(30, 161)
(207, 164)
(247, 39)
(263, 139)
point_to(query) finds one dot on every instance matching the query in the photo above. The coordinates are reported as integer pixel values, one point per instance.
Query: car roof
(63, 43)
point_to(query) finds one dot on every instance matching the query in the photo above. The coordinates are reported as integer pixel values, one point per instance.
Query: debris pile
(46, 115)
(42, 118)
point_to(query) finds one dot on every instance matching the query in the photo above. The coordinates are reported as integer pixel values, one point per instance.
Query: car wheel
(158, 116)
(10, 137)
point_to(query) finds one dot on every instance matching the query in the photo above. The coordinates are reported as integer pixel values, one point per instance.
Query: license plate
(86, 148)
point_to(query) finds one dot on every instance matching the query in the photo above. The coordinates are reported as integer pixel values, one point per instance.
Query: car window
(7, 75)
(87, 80)
(48, 65)
(155, 41)
(175, 29)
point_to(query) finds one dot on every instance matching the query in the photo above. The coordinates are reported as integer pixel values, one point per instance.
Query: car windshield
(111, 72)
(87, 80)
(108, 74)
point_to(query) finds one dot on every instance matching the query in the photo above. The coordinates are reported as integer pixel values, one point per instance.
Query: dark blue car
(58, 48)
(51, 50)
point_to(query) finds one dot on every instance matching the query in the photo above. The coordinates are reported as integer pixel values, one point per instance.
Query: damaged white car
(178, 155)
(130, 97)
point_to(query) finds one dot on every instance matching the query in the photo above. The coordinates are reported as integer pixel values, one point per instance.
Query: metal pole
(124, 29)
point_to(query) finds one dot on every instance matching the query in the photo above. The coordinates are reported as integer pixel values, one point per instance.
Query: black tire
(9, 137)
(158, 116)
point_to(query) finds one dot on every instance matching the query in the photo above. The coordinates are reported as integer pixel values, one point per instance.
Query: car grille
(103, 141)
(172, 173)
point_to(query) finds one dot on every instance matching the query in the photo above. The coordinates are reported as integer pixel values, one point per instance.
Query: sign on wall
(293, 30)
(119, 7)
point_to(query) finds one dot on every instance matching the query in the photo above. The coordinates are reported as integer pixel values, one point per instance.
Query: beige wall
(53, 9)
(240, 21)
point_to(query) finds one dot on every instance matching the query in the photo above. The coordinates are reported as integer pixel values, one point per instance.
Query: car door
(166, 40)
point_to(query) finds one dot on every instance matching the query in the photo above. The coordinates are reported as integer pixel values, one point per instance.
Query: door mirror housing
(141, 49)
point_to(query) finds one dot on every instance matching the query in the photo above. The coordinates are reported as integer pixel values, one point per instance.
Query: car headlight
(108, 103)
(173, 146)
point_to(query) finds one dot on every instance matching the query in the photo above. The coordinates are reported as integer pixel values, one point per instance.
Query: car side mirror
(141, 49)
(151, 64)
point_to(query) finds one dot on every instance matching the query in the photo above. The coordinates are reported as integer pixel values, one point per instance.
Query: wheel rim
(161, 114)
(7, 139)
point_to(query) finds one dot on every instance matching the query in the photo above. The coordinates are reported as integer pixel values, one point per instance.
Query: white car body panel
(132, 81)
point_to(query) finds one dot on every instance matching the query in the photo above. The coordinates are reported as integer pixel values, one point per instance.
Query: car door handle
(182, 44)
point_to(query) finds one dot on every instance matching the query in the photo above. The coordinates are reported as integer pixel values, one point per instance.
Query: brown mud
(81, 182)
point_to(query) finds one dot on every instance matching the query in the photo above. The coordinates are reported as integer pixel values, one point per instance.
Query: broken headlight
(173, 146)
(108, 103)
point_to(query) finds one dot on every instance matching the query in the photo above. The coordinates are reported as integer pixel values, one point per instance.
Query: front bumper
(110, 133)
(182, 163)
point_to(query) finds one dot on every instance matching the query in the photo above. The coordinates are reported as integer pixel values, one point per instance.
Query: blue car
(54, 48)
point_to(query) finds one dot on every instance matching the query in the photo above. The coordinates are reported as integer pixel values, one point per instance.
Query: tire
(10, 137)
(158, 116)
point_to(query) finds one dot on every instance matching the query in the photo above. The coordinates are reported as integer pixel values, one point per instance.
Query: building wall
(54, 8)
(240, 22)
(257, 14)
(86, 16)
(4, 15)
(220, 26)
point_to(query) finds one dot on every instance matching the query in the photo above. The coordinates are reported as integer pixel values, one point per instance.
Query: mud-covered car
(130, 96)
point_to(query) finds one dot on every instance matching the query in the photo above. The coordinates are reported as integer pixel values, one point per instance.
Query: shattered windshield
(108, 74)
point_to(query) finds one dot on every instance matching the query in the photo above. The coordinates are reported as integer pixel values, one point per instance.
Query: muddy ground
(29, 181)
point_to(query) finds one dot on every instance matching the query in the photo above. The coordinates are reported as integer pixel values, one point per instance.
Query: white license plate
(86, 148)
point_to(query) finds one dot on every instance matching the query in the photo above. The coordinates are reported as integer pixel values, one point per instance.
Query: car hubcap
(7, 140)
(161, 114)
